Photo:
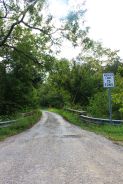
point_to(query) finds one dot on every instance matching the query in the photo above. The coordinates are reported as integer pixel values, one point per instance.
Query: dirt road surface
(56, 152)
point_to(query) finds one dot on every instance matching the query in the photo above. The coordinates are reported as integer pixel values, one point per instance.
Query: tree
(30, 14)
(19, 78)
(54, 91)
(117, 95)
(18, 16)
(26, 37)
(76, 82)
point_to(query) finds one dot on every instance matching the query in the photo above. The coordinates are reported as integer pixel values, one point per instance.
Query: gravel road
(56, 152)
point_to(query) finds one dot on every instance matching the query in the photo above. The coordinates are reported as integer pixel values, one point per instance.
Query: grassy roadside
(114, 133)
(20, 125)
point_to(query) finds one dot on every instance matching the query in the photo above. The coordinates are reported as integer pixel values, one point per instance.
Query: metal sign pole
(110, 105)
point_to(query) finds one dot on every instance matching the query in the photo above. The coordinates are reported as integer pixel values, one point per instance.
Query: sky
(104, 17)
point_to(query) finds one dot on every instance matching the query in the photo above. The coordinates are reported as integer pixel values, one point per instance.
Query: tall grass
(20, 125)
(113, 132)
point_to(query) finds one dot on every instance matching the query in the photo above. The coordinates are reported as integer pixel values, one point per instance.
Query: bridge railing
(6, 123)
(9, 122)
(92, 119)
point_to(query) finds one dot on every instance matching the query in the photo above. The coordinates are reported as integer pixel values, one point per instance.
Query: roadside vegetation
(80, 86)
(20, 125)
(112, 132)
(31, 75)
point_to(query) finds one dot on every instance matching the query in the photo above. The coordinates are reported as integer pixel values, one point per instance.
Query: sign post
(108, 82)
(110, 104)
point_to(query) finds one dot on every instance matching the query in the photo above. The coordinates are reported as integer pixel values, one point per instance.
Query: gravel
(56, 152)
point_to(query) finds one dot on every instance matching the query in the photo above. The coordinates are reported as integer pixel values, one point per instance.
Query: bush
(98, 105)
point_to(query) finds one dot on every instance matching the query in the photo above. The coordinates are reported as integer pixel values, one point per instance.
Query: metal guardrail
(77, 111)
(7, 123)
(100, 120)
(95, 120)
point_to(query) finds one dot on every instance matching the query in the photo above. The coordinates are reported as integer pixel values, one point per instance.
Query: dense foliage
(80, 85)
(31, 75)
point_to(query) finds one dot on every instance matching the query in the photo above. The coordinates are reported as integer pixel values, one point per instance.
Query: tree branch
(15, 24)
(6, 11)
(42, 30)
(10, 31)
(28, 55)
(32, 27)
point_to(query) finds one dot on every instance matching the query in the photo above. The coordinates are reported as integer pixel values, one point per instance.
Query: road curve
(56, 152)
